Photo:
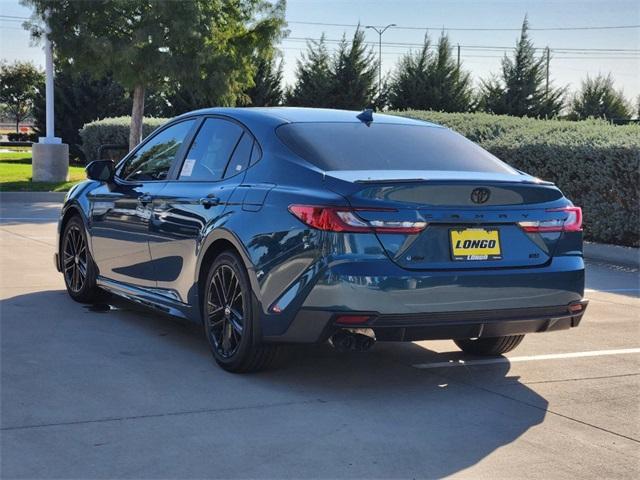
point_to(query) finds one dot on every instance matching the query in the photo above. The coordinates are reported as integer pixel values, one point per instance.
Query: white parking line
(13, 219)
(528, 358)
(612, 290)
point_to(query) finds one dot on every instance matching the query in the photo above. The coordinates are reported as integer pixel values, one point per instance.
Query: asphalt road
(122, 393)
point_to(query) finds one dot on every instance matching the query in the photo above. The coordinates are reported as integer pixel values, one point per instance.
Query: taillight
(345, 219)
(571, 223)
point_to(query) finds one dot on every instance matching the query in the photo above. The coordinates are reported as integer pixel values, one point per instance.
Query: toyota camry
(273, 226)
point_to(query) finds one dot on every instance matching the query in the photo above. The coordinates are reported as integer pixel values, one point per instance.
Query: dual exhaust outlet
(353, 339)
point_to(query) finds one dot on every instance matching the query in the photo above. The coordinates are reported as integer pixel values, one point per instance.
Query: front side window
(210, 151)
(153, 160)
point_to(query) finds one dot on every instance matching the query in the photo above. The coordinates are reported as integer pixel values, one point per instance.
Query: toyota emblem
(480, 195)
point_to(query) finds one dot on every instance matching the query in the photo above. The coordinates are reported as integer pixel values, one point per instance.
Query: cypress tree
(429, 81)
(521, 89)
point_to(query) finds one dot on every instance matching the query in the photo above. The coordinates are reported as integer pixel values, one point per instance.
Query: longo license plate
(475, 244)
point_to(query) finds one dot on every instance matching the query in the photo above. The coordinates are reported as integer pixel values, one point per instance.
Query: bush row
(22, 137)
(594, 163)
(112, 131)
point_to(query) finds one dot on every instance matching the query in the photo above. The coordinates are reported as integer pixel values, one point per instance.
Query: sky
(575, 53)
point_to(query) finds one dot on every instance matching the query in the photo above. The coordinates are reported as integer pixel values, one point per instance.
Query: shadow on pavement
(323, 414)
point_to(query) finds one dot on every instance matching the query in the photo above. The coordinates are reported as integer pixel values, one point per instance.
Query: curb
(32, 197)
(615, 254)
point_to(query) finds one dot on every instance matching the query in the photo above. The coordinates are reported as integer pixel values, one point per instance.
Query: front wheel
(489, 346)
(77, 265)
(229, 318)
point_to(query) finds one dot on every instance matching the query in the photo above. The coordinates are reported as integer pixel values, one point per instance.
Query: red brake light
(345, 219)
(572, 223)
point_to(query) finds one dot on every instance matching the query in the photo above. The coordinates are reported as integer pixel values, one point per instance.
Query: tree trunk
(137, 113)
(17, 124)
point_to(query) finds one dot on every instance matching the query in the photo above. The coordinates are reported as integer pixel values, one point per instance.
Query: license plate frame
(475, 253)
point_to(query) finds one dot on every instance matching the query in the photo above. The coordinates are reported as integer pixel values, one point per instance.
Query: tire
(489, 346)
(229, 318)
(78, 269)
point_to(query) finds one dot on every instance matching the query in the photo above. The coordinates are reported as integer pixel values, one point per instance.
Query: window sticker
(187, 167)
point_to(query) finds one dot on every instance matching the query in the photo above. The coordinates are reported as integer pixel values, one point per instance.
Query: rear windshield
(383, 146)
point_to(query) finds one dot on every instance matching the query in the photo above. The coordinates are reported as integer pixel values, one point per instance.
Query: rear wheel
(229, 318)
(489, 346)
(76, 263)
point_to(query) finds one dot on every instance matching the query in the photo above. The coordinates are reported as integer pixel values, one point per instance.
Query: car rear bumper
(406, 306)
(312, 326)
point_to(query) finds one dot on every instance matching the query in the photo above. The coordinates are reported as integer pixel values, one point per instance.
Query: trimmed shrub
(112, 131)
(22, 137)
(595, 164)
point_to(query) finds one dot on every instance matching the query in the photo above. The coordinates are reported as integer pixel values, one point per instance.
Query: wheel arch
(217, 242)
(69, 212)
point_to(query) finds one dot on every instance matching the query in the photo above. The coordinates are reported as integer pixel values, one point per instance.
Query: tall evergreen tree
(313, 77)
(599, 98)
(346, 79)
(521, 89)
(267, 83)
(354, 72)
(431, 81)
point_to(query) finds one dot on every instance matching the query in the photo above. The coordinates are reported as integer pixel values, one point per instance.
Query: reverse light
(346, 219)
(572, 222)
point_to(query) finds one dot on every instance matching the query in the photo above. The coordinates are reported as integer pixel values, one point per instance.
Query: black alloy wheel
(76, 263)
(229, 318)
(225, 311)
(74, 259)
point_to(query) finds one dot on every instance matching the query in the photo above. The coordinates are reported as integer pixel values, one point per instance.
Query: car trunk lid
(479, 213)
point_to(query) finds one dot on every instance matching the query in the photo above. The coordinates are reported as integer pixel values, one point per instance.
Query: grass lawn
(15, 174)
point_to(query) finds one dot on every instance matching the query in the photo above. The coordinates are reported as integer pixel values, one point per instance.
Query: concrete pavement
(120, 392)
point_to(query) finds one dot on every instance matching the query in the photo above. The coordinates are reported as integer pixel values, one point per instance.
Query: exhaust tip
(353, 339)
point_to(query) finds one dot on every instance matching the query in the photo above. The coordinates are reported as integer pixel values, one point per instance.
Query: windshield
(383, 146)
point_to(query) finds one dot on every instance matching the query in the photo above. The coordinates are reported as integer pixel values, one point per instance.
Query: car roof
(280, 115)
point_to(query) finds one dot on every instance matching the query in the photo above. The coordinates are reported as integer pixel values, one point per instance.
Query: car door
(195, 201)
(120, 211)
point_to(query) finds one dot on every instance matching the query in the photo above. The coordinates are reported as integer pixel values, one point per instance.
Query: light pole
(50, 157)
(380, 31)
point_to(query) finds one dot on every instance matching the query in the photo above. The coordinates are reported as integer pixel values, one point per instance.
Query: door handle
(209, 201)
(145, 198)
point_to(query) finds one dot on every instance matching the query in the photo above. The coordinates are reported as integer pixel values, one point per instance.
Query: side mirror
(101, 170)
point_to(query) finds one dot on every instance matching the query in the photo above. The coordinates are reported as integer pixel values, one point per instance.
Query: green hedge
(594, 163)
(112, 131)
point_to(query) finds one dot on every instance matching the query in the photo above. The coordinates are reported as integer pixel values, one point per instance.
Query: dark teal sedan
(272, 226)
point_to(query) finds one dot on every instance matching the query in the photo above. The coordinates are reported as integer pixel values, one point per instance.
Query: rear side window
(241, 156)
(256, 153)
(210, 151)
(354, 146)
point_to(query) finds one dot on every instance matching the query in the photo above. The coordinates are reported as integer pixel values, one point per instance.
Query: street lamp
(380, 31)
(50, 157)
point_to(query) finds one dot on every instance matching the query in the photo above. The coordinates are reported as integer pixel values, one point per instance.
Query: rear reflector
(352, 319)
(345, 219)
(572, 222)
(576, 307)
